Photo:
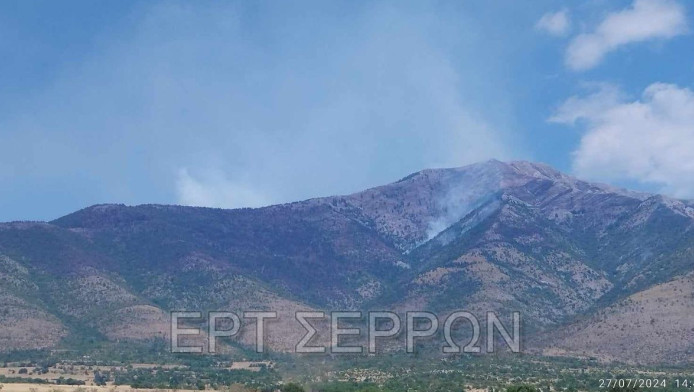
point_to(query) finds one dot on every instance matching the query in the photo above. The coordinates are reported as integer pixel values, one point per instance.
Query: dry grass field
(86, 373)
(76, 372)
(68, 388)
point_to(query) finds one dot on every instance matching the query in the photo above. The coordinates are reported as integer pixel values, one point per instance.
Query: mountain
(491, 236)
(655, 323)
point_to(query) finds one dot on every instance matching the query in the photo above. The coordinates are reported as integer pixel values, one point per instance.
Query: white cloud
(575, 108)
(213, 189)
(554, 23)
(645, 20)
(650, 140)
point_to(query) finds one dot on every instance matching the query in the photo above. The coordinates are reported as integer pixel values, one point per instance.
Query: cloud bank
(650, 140)
(221, 105)
(644, 20)
(554, 23)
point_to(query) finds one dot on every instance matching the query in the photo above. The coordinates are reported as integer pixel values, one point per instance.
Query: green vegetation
(521, 388)
(291, 387)
(192, 378)
(390, 373)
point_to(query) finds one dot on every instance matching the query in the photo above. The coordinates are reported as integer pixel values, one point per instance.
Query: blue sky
(233, 104)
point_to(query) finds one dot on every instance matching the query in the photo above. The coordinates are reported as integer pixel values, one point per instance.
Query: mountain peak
(535, 169)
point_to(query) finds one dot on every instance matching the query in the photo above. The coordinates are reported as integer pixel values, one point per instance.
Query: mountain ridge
(490, 236)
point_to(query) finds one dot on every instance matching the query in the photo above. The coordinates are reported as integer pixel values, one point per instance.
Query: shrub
(521, 388)
(291, 387)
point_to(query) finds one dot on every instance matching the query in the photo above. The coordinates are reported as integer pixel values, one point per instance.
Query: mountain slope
(491, 236)
(652, 326)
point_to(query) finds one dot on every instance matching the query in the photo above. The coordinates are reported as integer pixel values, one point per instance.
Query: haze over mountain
(579, 260)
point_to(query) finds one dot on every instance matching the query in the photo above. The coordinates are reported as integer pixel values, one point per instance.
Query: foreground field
(68, 388)
(348, 374)
(87, 373)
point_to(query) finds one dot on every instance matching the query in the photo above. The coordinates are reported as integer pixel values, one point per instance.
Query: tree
(100, 379)
(521, 388)
(291, 387)
(623, 389)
